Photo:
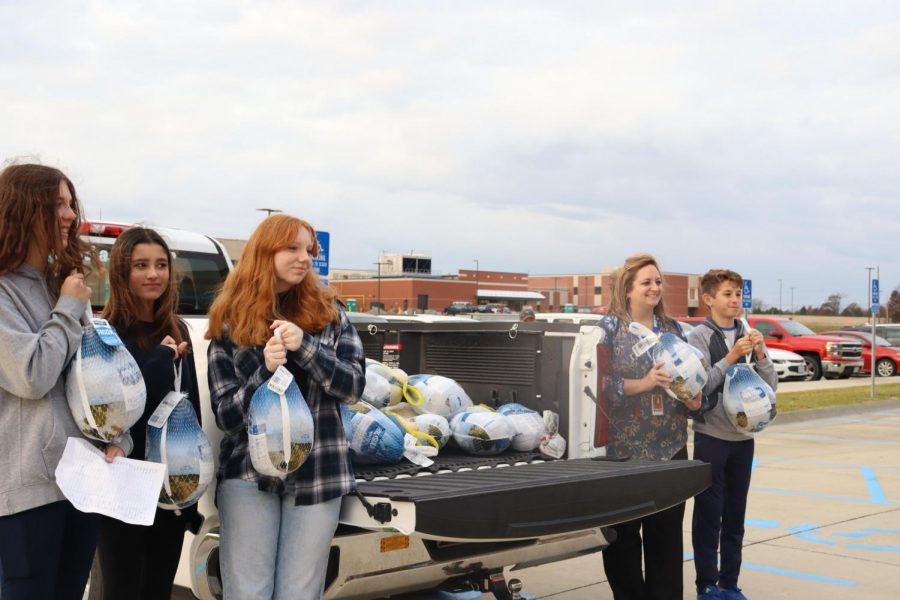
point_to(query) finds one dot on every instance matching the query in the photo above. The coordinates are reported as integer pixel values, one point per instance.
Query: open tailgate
(525, 500)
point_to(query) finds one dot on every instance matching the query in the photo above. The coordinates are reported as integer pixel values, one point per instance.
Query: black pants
(46, 552)
(662, 547)
(719, 510)
(139, 562)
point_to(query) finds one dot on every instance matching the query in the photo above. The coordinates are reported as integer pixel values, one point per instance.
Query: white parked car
(788, 365)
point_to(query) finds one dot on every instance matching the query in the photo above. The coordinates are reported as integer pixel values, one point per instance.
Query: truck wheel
(886, 368)
(813, 367)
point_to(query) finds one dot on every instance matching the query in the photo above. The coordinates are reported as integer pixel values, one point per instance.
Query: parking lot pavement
(823, 517)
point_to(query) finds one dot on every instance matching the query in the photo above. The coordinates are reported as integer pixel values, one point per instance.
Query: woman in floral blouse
(645, 423)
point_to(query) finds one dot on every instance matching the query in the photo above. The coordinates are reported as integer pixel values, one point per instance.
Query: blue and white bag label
(280, 381)
(165, 408)
(106, 333)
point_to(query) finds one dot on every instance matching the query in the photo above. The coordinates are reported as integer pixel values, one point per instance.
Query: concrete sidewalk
(823, 517)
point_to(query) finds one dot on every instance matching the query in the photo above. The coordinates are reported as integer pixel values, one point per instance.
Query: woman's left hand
(291, 335)
(114, 452)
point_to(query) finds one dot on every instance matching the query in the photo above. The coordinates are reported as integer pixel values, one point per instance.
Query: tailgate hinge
(381, 511)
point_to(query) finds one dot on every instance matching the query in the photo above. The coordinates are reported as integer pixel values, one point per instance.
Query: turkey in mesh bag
(441, 395)
(528, 425)
(104, 386)
(482, 432)
(373, 437)
(279, 426)
(747, 399)
(175, 439)
(387, 386)
(681, 361)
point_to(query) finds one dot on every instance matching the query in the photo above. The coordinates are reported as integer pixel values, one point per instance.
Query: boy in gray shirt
(719, 510)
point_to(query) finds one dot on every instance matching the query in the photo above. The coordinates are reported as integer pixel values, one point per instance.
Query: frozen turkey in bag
(428, 428)
(374, 438)
(482, 432)
(528, 425)
(441, 395)
(747, 399)
(175, 439)
(104, 386)
(279, 426)
(398, 389)
(681, 361)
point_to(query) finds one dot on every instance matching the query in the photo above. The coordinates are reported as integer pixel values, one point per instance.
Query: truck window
(200, 276)
(764, 328)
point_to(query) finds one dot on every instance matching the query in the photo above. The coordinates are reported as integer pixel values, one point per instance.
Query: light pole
(780, 309)
(379, 263)
(269, 211)
(476, 280)
(792, 299)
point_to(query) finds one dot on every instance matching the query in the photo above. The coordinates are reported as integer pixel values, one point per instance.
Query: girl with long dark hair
(136, 561)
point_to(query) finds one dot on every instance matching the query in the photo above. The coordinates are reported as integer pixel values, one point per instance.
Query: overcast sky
(542, 137)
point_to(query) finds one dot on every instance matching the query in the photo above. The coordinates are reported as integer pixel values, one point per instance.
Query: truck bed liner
(537, 499)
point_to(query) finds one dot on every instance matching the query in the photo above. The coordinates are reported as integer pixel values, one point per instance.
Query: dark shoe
(709, 592)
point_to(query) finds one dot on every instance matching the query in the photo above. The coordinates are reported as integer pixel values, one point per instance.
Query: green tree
(853, 310)
(893, 307)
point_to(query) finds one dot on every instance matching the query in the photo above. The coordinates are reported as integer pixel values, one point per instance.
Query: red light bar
(102, 229)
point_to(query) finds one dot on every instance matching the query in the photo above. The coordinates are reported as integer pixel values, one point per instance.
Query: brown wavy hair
(121, 310)
(29, 197)
(623, 279)
(248, 303)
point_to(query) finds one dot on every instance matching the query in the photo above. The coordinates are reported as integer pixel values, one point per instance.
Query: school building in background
(405, 282)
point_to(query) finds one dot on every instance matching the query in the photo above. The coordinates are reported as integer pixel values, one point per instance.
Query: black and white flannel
(329, 366)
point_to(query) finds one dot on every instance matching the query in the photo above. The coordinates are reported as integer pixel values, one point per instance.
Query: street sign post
(320, 262)
(747, 295)
(874, 309)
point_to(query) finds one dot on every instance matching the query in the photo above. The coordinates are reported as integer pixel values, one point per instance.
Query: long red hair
(248, 302)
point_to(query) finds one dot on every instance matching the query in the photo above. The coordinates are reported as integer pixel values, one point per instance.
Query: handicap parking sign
(747, 294)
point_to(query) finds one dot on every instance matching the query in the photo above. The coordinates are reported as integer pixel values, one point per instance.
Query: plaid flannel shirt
(333, 363)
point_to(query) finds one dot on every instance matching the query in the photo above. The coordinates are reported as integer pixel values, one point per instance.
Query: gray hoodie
(715, 422)
(38, 338)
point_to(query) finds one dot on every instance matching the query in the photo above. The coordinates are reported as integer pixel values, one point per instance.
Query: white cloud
(532, 136)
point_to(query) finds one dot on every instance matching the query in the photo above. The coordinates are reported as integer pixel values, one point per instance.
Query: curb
(811, 414)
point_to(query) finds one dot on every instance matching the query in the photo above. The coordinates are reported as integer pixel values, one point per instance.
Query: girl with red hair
(273, 311)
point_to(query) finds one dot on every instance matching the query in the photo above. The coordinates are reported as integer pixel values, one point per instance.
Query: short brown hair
(710, 282)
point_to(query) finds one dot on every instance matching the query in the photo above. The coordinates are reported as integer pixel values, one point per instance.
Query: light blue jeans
(271, 548)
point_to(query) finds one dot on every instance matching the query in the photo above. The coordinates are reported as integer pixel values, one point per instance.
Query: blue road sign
(875, 309)
(875, 292)
(320, 262)
(747, 294)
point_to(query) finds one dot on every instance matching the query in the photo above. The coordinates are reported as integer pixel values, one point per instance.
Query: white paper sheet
(125, 489)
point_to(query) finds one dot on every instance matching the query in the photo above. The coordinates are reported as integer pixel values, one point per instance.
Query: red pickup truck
(831, 356)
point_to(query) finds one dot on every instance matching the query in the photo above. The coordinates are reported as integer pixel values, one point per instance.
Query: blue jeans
(271, 548)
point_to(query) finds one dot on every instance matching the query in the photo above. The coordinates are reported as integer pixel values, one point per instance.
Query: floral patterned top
(634, 431)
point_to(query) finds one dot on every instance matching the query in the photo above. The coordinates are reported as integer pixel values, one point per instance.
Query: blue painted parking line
(789, 573)
(820, 496)
(875, 490)
(800, 575)
(762, 524)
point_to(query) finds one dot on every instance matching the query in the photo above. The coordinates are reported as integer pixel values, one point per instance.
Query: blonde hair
(248, 302)
(622, 281)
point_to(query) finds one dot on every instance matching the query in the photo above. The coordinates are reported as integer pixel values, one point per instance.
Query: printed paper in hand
(126, 489)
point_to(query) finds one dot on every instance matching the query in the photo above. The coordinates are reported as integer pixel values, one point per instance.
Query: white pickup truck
(465, 521)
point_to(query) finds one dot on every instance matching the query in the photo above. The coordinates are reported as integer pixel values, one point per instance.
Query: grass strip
(788, 401)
